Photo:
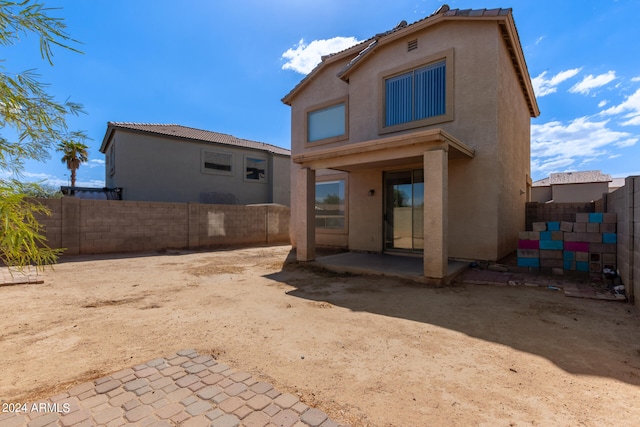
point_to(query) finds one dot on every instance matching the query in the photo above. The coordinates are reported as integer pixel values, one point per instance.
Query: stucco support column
(435, 213)
(306, 215)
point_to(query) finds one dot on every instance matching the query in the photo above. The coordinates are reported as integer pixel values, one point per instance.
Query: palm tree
(74, 152)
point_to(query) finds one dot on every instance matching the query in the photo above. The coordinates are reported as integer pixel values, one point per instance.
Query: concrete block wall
(545, 212)
(109, 226)
(625, 202)
(586, 245)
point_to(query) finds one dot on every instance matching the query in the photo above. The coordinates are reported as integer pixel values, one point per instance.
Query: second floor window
(328, 122)
(416, 95)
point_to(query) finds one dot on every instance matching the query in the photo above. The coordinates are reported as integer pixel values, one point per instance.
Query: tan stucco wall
(490, 114)
(571, 193)
(162, 169)
(541, 194)
(514, 155)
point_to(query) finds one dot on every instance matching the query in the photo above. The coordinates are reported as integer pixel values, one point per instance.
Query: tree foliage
(21, 240)
(31, 122)
(74, 152)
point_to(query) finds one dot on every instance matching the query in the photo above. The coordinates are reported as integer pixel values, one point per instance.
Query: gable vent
(412, 45)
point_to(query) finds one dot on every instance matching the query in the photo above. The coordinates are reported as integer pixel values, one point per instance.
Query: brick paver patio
(184, 389)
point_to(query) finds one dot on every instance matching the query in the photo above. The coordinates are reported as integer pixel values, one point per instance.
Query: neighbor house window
(327, 123)
(416, 95)
(330, 205)
(217, 162)
(255, 169)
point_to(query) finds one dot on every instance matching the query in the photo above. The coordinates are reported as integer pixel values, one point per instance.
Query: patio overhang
(430, 150)
(389, 151)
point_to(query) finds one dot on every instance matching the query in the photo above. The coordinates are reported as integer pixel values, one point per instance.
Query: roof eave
(329, 59)
(510, 35)
(520, 64)
(107, 138)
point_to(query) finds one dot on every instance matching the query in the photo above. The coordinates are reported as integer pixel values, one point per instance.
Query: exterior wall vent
(412, 45)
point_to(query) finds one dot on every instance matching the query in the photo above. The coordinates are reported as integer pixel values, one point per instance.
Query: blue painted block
(545, 235)
(568, 255)
(554, 245)
(582, 266)
(609, 238)
(528, 262)
(569, 265)
(553, 226)
(595, 217)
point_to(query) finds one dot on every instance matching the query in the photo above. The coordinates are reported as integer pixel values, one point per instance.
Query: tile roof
(362, 49)
(188, 133)
(584, 177)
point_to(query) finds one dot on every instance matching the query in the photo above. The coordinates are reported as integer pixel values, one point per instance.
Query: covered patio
(430, 150)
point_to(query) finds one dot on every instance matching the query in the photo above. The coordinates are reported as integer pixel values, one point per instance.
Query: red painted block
(576, 246)
(528, 244)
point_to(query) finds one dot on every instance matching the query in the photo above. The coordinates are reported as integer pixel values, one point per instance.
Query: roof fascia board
(509, 26)
(390, 38)
(113, 127)
(521, 63)
(328, 59)
(107, 139)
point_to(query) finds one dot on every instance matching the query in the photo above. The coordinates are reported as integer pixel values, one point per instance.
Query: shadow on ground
(583, 337)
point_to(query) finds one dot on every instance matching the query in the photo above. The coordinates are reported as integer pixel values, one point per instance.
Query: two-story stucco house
(416, 141)
(173, 163)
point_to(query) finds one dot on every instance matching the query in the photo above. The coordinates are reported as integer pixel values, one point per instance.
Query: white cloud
(602, 103)
(95, 163)
(592, 82)
(539, 39)
(631, 106)
(636, 79)
(557, 145)
(303, 57)
(543, 86)
(57, 181)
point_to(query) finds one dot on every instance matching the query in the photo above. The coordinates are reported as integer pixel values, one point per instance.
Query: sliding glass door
(404, 210)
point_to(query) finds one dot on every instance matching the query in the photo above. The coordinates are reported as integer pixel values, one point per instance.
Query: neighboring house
(416, 141)
(173, 163)
(571, 187)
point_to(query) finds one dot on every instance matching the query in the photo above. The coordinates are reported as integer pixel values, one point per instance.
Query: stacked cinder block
(586, 245)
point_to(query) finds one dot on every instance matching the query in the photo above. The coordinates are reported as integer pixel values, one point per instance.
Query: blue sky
(224, 66)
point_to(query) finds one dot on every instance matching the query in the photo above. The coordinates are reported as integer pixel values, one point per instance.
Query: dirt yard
(369, 351)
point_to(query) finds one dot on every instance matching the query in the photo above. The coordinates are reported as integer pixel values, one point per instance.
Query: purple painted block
(576, 246)
(528, 244)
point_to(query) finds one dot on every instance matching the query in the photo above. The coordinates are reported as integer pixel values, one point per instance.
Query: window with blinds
(416, 95)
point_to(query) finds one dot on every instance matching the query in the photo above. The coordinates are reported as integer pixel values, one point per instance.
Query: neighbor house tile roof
(584, 177)
(187, 133)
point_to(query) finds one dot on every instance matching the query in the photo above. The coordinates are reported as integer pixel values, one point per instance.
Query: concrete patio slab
(406, 267)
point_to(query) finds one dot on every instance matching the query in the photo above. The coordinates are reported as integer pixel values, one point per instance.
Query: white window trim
(266, 169)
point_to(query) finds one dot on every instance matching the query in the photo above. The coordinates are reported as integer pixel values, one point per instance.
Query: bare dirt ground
(369, 351)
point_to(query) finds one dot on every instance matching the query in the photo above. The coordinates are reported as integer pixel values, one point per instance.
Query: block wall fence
(625, 203)
(110, 226)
